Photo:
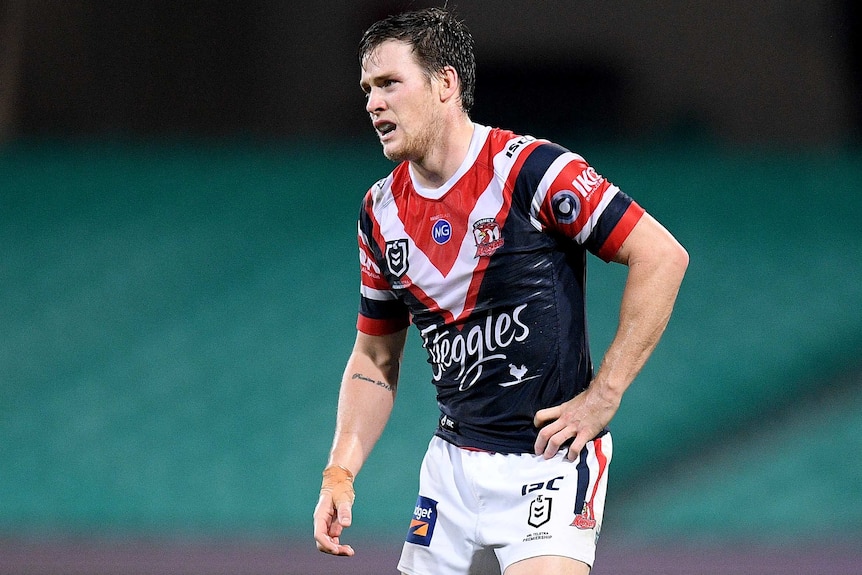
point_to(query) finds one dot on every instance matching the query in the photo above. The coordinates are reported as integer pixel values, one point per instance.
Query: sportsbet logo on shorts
(422, 524)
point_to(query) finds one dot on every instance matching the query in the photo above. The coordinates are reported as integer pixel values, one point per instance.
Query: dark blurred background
(179, 183)
(776, 71)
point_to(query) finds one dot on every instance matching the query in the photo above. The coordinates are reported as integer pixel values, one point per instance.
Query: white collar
(477, 142)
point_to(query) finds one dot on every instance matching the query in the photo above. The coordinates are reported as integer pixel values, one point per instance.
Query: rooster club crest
(486, 233)
(586, 519)
(396, 257)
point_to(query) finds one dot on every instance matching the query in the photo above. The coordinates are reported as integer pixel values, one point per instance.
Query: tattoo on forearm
(382, 384)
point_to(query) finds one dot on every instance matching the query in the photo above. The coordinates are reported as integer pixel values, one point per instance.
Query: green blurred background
(176, 319)
(179, 284)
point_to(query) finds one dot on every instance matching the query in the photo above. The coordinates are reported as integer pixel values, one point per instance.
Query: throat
(443, 160)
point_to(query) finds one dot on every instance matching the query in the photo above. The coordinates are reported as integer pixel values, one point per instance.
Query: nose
(374, 103)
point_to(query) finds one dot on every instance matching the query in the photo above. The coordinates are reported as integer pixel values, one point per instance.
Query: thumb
(345, 515)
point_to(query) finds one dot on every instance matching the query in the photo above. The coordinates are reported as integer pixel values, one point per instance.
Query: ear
(450, 84)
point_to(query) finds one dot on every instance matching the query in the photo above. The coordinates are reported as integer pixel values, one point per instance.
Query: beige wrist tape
(338, 481)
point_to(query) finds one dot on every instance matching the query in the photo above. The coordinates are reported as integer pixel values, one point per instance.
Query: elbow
(676, 263)
(680, 258)
(668, 261)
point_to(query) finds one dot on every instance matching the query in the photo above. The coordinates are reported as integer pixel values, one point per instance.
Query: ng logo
(422, 525)
(441, 232)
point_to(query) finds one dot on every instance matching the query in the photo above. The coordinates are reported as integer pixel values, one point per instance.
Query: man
(479, 238)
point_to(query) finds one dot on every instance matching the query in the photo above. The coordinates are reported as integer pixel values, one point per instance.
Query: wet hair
(438, 38)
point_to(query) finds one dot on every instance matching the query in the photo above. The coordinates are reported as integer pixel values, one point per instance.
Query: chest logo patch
(441, 232)
(486, 233)
(396, 257)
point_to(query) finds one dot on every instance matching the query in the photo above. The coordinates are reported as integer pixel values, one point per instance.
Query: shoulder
(383, 189)
(381, 197)
(506, 141)
(508, 147)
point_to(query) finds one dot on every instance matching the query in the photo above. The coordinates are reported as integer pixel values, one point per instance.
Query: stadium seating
(175, 319)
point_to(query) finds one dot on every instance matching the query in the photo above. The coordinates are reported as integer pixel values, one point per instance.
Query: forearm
(365, 402)
(648, 299)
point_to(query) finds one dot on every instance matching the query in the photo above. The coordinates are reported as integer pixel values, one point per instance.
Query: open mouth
(385, 128)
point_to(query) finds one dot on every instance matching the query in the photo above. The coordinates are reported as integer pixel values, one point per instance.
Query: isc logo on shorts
(422, 524)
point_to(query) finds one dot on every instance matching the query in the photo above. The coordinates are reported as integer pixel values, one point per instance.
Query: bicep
(649, 241)
(380, 352)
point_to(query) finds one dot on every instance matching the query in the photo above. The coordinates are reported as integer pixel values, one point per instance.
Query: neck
(446, 157)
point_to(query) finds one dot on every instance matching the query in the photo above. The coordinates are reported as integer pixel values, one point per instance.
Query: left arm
(657, 263)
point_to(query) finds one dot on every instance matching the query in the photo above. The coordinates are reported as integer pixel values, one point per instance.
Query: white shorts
(519, 506)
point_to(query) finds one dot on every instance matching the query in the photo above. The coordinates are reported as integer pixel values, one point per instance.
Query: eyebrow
(366, 84)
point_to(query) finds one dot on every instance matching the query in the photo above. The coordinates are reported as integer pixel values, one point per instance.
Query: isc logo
(441, 232)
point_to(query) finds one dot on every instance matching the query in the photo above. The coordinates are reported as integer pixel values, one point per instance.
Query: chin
(394, 154)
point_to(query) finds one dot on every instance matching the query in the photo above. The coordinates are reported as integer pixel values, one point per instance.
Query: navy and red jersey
(490, 268)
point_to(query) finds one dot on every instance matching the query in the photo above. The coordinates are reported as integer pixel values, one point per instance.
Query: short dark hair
(438, 38)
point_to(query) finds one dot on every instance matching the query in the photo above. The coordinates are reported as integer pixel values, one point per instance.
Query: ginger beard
(416, 136)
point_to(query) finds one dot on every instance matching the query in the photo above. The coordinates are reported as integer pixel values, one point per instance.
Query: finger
(545, 440)
(332, 547)
(345, 551)
(336, 548)
(555, 444)
(543, 416)
(545, 419)
(577, 446)
(335, 530)
(322, 536)
(324, 542)
(326, 546)
(541, 442)
(326, 537)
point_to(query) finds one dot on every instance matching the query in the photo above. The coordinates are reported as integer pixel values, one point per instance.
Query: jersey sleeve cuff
(621, 231)
(372, 326)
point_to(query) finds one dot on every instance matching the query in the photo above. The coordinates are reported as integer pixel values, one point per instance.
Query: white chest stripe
(448, 291)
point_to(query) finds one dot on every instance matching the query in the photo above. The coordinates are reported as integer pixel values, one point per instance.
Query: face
(401, 102)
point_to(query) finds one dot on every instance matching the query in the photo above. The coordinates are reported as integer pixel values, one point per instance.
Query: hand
(580, 419)
(333, 511)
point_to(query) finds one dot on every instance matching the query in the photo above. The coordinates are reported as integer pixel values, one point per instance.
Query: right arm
(368, 389)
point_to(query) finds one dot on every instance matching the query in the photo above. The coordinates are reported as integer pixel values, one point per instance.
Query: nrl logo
(540, 511)
(396, 257)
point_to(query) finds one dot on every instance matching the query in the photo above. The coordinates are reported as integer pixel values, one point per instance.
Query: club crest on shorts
(423, 522)
(396, 257)
(486, 233)
(585, 519)
(540, 511)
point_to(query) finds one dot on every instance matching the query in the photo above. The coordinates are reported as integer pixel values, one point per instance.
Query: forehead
(390, 57)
